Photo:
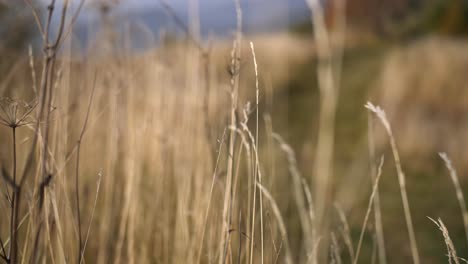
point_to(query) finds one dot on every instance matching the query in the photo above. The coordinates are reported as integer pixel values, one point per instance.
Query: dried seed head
(15, 113)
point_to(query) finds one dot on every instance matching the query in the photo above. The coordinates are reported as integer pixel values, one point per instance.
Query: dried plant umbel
(14, 114)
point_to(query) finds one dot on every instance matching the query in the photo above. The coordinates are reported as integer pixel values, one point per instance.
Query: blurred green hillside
(402, 19)
(430, 188)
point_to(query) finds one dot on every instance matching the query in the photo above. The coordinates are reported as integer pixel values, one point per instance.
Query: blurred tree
(405, 17)
(383, 16)
(449, 17)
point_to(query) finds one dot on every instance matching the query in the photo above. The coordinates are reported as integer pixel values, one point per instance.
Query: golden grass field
(255, 149)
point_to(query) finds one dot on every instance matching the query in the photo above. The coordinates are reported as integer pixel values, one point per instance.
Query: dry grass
(380, 114)
(458, 190)
(451, 251)
(160, 157)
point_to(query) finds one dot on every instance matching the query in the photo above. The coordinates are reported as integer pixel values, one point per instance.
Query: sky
(217, 18)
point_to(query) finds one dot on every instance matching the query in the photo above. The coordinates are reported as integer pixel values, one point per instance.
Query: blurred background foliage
(17, 26)
(17, 32)
(403, 18)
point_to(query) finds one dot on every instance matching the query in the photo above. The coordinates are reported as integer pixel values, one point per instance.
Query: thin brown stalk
(380, 113)
(44, 101)
(7, 241)
(256, 174)
(298, 193)
(48, 237)
(92, 216)
(215, 173)
(310, 203)
(43, 116)
(369, 208)
(234, 71)
(248, 161)
(33, 70)
(13, 234)
(36, 17)
(335, 250)
(110, 169)
(248, 150)
(58, 38)
(377, 211)
(279, 219)
(77, 172)
(278, 252)
(59, 227)
(228, 191)
(345, 231)
(71, 24)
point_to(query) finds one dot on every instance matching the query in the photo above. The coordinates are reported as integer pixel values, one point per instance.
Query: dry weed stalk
(345, 231)
(279, 218)
(77, 173)
(33, 69)
(215, 173)
(249, 166)
(452, 253)
(380, 113)
(335, 250)
(307, 220)
(13, 114)
(257, 176)
(458, 189)
(234, 93)
(377, 211)
(51, 48)
(257, 173)
(98, 188)
(369, 208)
